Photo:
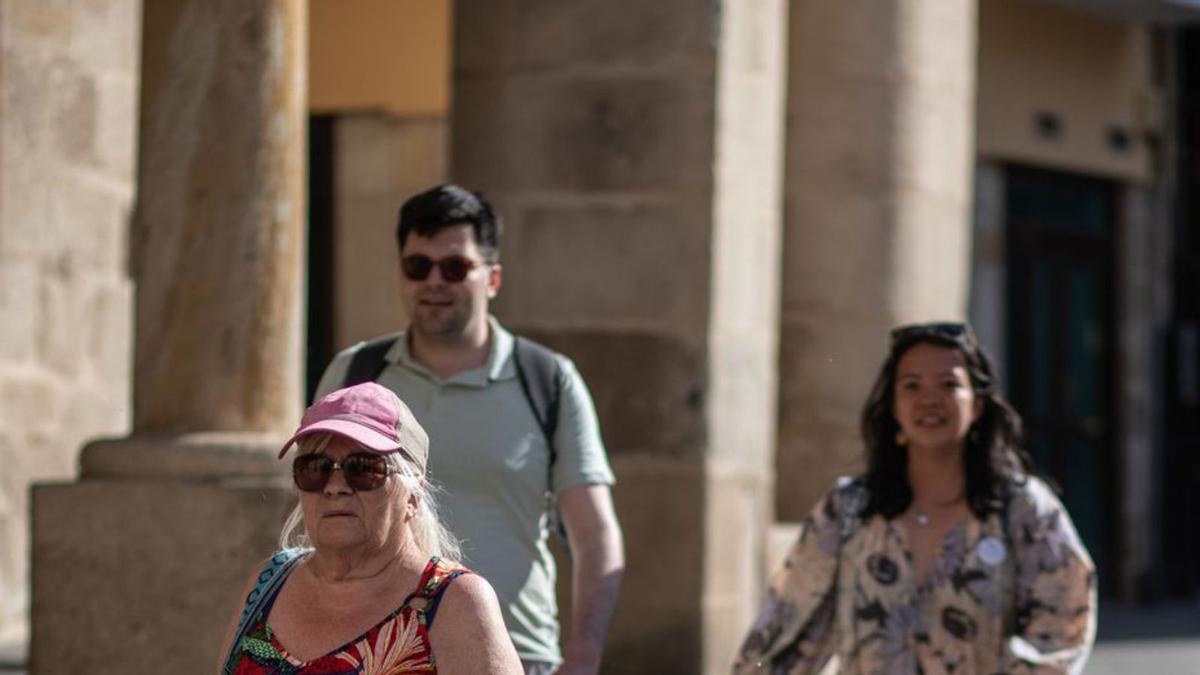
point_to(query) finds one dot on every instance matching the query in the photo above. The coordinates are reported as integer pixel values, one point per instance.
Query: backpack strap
(260, 598)
(539, 373)
(540, 376)
(368, 363)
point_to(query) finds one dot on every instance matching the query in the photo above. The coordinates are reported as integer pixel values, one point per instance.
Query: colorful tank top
(397, 645)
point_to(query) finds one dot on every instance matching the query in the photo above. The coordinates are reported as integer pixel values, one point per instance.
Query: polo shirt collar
(499, 365)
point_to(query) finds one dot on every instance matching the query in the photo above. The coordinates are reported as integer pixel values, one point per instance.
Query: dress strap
(434, 581)
(261, 598)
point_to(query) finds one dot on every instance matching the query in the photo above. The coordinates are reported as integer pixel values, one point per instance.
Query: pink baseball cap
(370, 415)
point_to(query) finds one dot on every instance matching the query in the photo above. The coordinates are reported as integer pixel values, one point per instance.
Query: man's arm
(597, 563)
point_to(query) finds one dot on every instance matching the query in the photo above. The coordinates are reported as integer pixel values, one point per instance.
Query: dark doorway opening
(1181, 445)
(320, 314)
(1061, 343)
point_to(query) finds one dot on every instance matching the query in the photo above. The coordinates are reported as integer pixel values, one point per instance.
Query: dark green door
(1060, 374)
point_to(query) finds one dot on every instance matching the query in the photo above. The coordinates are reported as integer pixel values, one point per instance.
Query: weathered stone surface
(879, 157)
(649, 389)
(640, 185)
(219, 227)
(637, 133)
(67, 91)
(1142, 305)
(737, 504)
(658, 626)
(818, 421)
(607, 264)
(586, 34)
(18, 300)
(109, 346)
(381, 161)
(103, 32)
(116, 123)
(32, 404)
(14, 601)
(161, 530)
(207, 457)
(174, 559)
(60, 304)
(746, 233)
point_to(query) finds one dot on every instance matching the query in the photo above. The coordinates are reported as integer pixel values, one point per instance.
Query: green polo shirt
(487, 452)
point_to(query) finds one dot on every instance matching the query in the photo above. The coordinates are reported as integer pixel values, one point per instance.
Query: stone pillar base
(136, 571)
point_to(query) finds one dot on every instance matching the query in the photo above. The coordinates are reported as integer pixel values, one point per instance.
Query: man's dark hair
(995, 456)
(448, 205)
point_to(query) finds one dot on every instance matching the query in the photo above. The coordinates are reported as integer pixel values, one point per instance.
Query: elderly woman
(947, 555)
(367, 581)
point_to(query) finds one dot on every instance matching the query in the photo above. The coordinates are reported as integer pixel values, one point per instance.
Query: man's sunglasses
(364, 471)
(954, 330)
(454, 268)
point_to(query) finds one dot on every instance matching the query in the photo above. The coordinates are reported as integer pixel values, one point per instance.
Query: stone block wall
(68, 111)
(878, 191)
(380, 160)
(635, 152)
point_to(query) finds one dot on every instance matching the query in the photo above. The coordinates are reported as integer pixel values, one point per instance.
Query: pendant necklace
(922, 517)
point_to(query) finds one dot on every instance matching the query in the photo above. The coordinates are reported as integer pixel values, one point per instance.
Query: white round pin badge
(991, 551)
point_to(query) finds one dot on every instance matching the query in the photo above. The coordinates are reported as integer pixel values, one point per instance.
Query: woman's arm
(1056, 588)
(468, 637)
(794, 632)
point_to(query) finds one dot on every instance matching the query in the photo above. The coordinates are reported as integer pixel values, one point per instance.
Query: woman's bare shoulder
(469, 634)
(469, 593)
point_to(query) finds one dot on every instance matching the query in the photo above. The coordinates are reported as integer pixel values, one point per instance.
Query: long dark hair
(993, 447)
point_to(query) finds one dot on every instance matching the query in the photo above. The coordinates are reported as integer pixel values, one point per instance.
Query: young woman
(947, 555)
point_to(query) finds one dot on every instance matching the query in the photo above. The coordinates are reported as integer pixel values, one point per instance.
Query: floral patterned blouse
(397, 645)
(1015, 593)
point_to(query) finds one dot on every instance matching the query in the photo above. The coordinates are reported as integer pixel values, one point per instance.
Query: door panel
(1061, 334)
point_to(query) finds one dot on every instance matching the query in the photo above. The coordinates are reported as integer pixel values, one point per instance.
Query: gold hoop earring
(901, 439)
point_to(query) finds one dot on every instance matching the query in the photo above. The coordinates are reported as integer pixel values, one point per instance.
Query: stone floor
(1163, 640)
(1177, 656)
(12, 658)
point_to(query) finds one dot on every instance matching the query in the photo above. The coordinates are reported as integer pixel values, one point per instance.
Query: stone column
(877, 220)
(139, 565)
(1143, 272)
(634, 150)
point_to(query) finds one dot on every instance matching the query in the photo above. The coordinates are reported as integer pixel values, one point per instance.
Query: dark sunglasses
(364, 471)
(454, 268)
(954, 330)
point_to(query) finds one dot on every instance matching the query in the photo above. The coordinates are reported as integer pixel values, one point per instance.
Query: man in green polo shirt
(455, 369)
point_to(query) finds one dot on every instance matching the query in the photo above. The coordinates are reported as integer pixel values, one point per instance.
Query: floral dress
(397, 645)
(1014, 593)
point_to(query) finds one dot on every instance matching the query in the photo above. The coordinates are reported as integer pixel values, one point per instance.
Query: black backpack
(538, 371)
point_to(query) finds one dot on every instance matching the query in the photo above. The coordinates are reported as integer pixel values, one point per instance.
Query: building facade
(717, 209)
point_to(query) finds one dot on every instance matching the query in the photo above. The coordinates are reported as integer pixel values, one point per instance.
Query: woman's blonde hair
(430, 536)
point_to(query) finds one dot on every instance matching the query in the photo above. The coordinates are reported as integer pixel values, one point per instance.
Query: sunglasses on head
(363, 471)
(454, 268)
(954, 330)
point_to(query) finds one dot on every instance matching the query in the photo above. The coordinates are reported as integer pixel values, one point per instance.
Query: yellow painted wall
(1093, 72)
(388, 55)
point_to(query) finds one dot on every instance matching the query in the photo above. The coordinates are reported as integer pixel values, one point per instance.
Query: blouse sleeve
(1055, 621)
(793, 633)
